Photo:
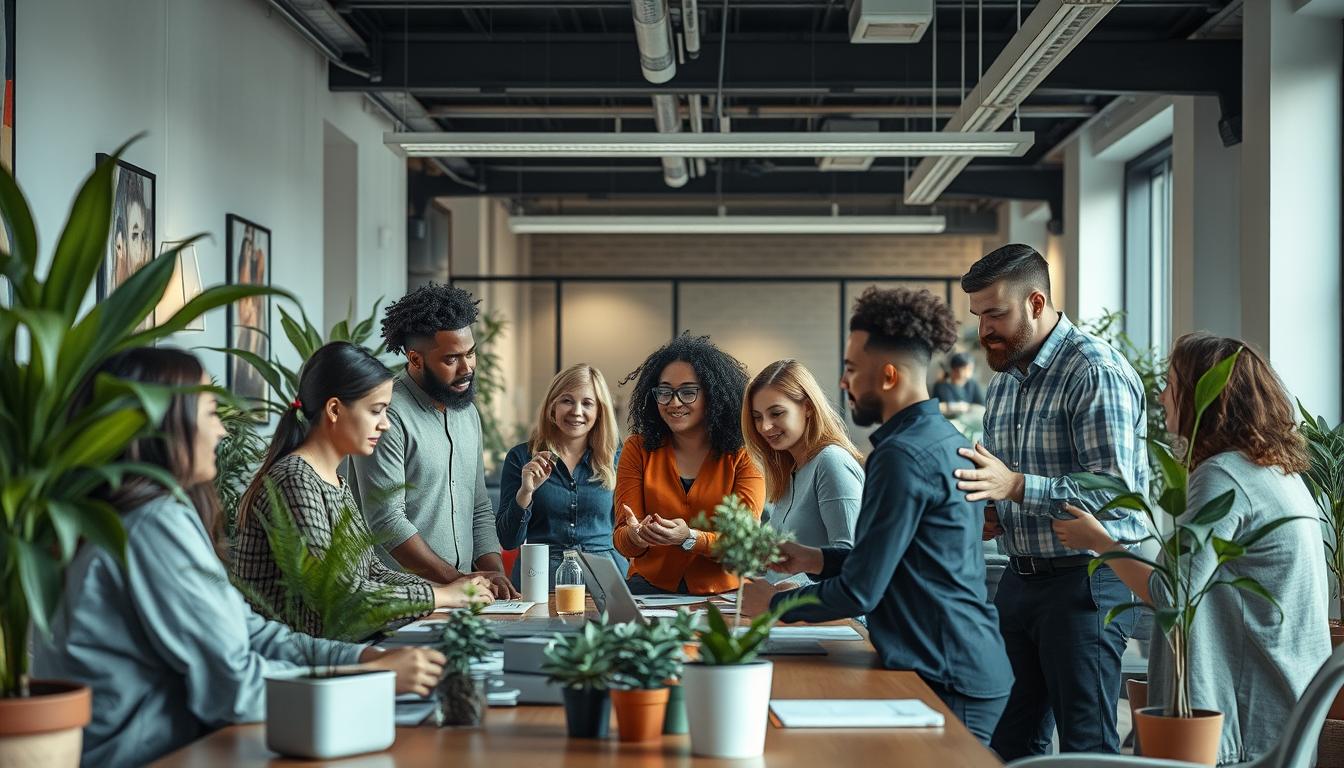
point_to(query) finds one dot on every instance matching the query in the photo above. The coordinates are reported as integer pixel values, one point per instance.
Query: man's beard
(1012, 351)
(866, 410)
(441, 391)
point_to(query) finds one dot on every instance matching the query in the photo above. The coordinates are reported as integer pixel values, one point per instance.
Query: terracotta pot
(1193, 739)
(639, 713)
(47, 728)
(1336, 638)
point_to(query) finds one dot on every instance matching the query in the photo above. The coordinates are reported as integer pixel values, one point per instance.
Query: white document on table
(855, 713)
(498, 608)
(658, 613)
(814, 632)
(662, 601)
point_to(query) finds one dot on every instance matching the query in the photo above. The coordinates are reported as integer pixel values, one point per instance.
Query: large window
(1148, 248)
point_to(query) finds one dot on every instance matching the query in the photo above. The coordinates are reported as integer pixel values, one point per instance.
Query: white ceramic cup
(534, 572)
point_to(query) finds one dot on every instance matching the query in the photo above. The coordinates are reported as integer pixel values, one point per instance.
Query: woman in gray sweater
(813, 476)
(1246, 660)
(168, 646)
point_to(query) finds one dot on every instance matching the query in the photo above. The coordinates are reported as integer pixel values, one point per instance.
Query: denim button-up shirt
(569, 511)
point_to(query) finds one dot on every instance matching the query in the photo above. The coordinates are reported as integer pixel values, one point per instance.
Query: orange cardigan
(648, 483)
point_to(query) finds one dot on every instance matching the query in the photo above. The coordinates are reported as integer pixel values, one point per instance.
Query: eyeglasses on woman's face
(664, 395)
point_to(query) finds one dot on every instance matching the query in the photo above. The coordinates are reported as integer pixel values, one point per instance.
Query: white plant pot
(727, 708)
(330, 717)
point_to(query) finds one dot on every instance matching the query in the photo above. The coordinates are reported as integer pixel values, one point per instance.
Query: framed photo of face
(131, 243)
(248, 261)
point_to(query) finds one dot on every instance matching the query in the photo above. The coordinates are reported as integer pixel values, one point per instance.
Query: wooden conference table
(526, 736)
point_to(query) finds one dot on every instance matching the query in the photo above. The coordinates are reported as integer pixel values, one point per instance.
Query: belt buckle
(1031, 562)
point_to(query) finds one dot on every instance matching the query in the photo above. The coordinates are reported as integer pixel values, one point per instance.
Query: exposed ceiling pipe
(779, 111)
(690, 27)
(668, 121)
(653, 33)
(697, 126)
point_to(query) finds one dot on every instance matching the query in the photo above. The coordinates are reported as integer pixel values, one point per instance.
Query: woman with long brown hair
(813, 475)
(556, 488)
(169, 647)
(1240, 648)
(341, 411)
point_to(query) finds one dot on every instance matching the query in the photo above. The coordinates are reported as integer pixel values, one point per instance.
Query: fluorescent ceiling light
(752, 225)
(1047, 35)
(905, 144)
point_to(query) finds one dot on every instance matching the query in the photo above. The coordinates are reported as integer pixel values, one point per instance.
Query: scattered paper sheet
(855, 713)
(659, 601)
(828, 632)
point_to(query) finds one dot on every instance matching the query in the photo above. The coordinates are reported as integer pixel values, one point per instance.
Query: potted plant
(54, 456)
(1178, 731)
(466, 639)
(728, 690)
(328, 711)
(647, 657)
(582, 665)
(1325, 480)
(683, 626)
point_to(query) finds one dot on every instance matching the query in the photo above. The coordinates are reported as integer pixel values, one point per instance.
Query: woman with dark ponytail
(341, 410)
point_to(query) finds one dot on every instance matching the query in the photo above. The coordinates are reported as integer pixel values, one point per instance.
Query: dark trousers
(641, 586)
(978, 715)
(1065, 659)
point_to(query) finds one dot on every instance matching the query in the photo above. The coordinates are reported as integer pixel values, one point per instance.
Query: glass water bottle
(569, 584)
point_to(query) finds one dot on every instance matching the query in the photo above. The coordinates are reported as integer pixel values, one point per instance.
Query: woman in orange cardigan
(684, 454)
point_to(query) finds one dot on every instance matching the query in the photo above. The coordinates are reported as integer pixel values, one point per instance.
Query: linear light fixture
(1047, 35)
(891, 144)
(741, 225)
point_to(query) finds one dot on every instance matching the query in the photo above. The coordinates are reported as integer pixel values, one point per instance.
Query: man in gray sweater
(423, 489)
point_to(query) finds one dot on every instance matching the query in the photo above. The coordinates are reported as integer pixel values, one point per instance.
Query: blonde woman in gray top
(813, 476)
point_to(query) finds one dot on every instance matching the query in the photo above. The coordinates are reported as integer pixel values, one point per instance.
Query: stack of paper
(813, 632)
(666, 601)
(855, 713)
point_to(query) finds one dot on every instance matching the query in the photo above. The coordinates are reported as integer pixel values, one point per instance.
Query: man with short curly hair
(916, 568)
(423, 489)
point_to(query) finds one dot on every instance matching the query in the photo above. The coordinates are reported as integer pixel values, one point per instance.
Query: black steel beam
(611, 69)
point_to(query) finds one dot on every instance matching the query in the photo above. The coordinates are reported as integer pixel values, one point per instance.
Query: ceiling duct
(1044, 39)
(665, 115)
(847, 163)
(889, 21)
(690, 28)
(653, 33)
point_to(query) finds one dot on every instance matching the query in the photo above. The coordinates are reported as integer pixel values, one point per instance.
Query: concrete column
(1094, 222)
(1292, 81)
(1205, 257)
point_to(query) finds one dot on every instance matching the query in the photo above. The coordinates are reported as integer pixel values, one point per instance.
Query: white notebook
(855, 713)
(812, 632)
(499, 608)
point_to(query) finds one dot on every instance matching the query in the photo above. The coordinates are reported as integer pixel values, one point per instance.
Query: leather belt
(1044, 566)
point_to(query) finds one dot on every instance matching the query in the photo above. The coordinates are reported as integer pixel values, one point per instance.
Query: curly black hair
(424, 312)
(912, 322)
(723, 380)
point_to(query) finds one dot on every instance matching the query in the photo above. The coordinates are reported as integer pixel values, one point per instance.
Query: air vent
(889, 21)
(847, 163)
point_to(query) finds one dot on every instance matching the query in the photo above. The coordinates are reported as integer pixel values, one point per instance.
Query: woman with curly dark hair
(684, 454)
(916, 568)
(1242, 661)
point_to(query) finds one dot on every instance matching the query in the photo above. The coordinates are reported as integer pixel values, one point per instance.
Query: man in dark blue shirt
(916, 569)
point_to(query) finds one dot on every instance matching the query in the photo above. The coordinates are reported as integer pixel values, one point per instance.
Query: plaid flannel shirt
(1079, 407)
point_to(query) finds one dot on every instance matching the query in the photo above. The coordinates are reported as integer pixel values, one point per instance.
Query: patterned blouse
(317, 506)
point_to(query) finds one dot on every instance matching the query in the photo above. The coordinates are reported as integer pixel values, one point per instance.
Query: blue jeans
(978, 715)
(1065, 659)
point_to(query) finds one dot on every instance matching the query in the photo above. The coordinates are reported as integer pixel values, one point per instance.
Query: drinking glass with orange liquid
(569, 584)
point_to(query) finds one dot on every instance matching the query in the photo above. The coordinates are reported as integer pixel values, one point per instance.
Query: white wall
(1094, 225)
(234, 103)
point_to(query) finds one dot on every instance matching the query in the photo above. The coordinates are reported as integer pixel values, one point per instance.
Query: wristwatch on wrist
(689, 543)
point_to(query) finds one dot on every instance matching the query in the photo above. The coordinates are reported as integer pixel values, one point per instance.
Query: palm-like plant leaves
(52, 456)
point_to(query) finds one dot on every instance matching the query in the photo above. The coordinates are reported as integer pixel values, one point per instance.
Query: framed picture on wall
(248, 262)
(130, 243)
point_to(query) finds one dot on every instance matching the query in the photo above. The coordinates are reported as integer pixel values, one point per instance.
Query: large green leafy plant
(1325, 480)
(54, 454)
(1177, 595)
